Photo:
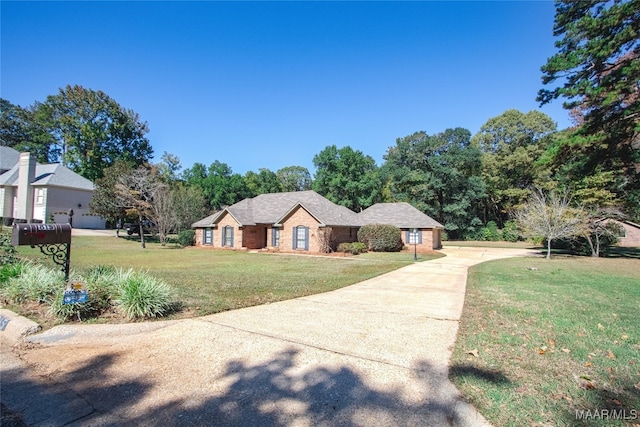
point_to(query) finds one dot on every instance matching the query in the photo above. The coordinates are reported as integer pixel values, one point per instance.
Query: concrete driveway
(375, 353)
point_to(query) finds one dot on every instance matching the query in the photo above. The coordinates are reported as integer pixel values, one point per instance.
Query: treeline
(463, 181)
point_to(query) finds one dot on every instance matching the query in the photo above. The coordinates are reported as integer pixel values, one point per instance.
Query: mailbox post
(54, 240)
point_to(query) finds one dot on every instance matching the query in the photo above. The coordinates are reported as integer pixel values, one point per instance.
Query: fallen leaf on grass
(624, 337)
(473, 352)
(542, 350)
(566, 350)
(588, 364)
(600, 327)
(610, 355)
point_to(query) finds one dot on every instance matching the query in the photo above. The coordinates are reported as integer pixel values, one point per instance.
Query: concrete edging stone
(14, 327)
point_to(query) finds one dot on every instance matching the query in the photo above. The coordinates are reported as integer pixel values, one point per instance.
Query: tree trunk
(593, 250)
(548, 248)
(141, 232)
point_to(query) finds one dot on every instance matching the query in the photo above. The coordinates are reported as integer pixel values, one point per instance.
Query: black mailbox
(40, 234)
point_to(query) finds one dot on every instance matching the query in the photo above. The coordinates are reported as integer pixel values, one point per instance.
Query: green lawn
(208, 281)
(552, 338)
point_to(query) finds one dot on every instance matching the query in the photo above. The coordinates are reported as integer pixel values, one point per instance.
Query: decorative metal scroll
(60, 253)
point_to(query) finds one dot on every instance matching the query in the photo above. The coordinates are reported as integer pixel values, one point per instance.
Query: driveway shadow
(272, 393)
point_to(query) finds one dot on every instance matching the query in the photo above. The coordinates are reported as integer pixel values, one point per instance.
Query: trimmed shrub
(36, 283)
(354, 248)
(510, 231)
(143, 296)
(187, 238)
(381, 237)
(490, 232)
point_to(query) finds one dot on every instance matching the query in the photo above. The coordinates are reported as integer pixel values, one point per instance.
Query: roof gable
(49, 175)
(293, 210)
(8, 158)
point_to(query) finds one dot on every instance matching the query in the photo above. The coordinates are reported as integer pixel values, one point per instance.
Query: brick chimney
(26, 175)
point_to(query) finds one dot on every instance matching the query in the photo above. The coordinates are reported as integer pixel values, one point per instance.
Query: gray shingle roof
(206, 222)
(402, 215)
(273, 207)
(50, 175)
(8, 158)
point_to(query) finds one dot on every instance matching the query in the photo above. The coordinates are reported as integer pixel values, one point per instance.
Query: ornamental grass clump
(143, 296)
(101, 284)
(35, 283)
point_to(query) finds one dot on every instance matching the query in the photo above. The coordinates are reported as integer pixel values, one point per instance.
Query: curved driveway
(374, 353)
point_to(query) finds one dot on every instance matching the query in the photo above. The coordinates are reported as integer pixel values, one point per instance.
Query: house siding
(227, 220)
(631, 238)
(255, 237)
(341, 235)
(199, 237)
(431, 239)
(58, 202)
(300, 217)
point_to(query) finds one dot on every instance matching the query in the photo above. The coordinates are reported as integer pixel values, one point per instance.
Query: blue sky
(270, 84)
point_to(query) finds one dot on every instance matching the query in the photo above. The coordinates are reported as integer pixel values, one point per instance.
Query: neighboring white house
(48, 193)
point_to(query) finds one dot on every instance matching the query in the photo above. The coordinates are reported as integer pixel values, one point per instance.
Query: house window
(39, 196)
(227, 236)
(414, 236)
(208, 237)
(301, 238)
(275, 237)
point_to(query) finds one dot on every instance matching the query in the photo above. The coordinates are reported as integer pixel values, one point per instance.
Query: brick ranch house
(306, 221)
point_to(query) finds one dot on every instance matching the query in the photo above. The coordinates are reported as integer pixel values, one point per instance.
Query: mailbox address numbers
(46, 227)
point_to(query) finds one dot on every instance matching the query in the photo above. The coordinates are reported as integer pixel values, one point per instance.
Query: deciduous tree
(220, 186)
(550, 216)
(512, 145)
(294, 178)
(134, 192)
(440, 175)
(105, 201)
(347, 177)
(92, 131)
(265, 181)
(189, 204)
(20, 131)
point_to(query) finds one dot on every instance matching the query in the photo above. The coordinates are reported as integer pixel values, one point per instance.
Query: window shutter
(306, 238)
(294, 238)
(273, 236)
(420, 236)
(231, 230)
(224, 236)
(407, 236)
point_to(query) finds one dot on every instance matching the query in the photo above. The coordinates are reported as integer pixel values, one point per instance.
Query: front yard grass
(542, 341)
(208, 281)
